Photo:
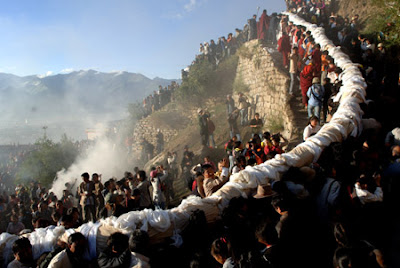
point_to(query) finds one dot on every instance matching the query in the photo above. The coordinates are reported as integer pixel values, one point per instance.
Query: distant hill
(82, 90)
(86, 96)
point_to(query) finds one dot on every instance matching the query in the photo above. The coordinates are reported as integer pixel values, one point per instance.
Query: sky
(154, 38)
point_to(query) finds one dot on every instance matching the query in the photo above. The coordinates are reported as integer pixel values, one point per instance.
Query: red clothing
(306, 77)
(284, 47)
(277, 149)
(301, 49)
(263, 26)
(316, 57)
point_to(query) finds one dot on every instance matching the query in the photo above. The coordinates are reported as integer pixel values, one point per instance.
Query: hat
(315, 80)
(380, 45)
(199, 110)
(264, 191)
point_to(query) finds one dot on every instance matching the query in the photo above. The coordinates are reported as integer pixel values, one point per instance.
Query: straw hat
(316, 80)
(264, 191)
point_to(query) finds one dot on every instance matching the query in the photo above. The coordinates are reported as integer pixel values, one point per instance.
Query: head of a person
(139, 241)
(221, 249)
(276, 139)
(65, 193)
(238, 145)
(55, 216)
(67, 221)
(267, 135)
(313, 121)
(207, 159)
(95, 177)
(59, 205)
(364, 181)
(14, 219)
(42, 206)
(280, 204)
(77, 243)
(234, 138)
(396, 152)
(74, 212)
(117, 243)
(257, 116)
(141, 175)
(85, 177)
(208, 171)
(22, 250)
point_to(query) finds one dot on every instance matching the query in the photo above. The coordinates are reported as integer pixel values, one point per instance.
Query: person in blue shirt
(315, 96)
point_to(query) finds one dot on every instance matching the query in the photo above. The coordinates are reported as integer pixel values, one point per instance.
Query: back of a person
(61, 260)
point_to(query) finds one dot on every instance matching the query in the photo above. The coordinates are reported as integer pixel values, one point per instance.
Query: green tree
(46, 160)
(386, 22)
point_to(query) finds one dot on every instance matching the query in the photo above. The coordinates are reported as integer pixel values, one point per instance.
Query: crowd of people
(159, 98)
(337, 212)
(265, 29)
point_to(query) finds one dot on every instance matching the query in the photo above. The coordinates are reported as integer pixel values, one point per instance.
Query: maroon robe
(284, 47)
(316, 57)
(263, 26)
(306, 77)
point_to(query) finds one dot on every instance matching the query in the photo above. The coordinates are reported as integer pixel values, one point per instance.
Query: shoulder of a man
(60, 260)
(15, 264)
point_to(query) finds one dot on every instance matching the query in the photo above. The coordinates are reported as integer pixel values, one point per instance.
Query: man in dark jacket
(117, 253)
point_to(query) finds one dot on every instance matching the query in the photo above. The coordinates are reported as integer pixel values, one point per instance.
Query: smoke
(103, 158)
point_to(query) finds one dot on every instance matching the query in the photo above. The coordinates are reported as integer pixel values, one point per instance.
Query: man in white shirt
(365, 196)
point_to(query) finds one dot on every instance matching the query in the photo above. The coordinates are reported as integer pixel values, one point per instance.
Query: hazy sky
(155, 38)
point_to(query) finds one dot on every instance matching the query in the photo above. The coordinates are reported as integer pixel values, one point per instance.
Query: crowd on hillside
(159, 98)
(266, 29)
(337, 212)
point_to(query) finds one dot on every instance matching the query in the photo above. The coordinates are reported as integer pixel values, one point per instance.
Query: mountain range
(77, 96)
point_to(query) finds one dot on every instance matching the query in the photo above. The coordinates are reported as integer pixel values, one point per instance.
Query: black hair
(56, 215)
(338, 70)
(206, 166)
(66, 218)
(221, 247)
(85, 175)
(312, 118)
(71, 211)
(21, 244)
(118, 242)
(237, 144)
(266, 135)
(142, 174)
(279, 201)
(138, 241)
(251, 162)
(75, 237)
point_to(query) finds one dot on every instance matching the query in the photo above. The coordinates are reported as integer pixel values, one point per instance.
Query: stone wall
(145, 128)
(266, 86)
